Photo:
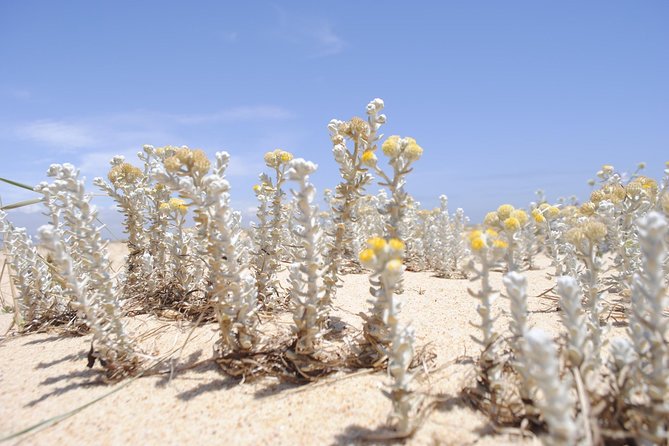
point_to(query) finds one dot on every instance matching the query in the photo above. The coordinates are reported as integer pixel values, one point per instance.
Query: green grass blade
(17, 184)
(21, 204)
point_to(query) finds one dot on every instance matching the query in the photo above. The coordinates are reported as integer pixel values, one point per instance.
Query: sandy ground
(45, 375)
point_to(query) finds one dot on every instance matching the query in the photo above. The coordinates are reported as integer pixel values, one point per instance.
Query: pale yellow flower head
(538, 216)
(500, 244)
(367, 257)
(391, 146)
(172, 164)
(477, 244)
(594, 230)
(270, 159)
(511, 224)
(504, 211)
(491, 219)
(124, 174)
(597, 195)
(177, 204)
(396, 245)
(369, 158)
(413, 151)
(588, 208)
(552, 212)
(491, 233)
(394, 266)
(521, 216)
(575, 236)
(377, 244)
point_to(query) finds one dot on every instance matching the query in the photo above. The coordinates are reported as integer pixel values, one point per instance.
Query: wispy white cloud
(62, 135)
(315, 33)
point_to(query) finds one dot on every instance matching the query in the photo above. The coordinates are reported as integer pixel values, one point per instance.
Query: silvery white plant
(272, 217)
(579, 349)
(87, 279)
(39, 300)
(383, 329)
(401, 153)
(353, 163)
(488, 249)
(306, 272)
(232, 288)
(586, 238)
(127, 186)
(555, 403)
(516, 288)
(649, 289)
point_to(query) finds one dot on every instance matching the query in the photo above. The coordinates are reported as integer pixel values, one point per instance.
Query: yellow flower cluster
(545, 212)
(642, 185)
(355, 128)
(504, 211)
(277, 158)
(395, 146)
(124, 174)
(538, 216)
(591, 229)
(194, 161)
(174, 204)
(478, 240)
(383, 254)
(369, 158)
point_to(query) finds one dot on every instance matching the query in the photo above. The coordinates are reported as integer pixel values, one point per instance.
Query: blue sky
(505, 97)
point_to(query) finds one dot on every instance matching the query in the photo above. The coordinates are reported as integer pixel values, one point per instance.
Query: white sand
(45, 375)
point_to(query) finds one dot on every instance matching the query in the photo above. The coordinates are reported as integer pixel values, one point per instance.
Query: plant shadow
(81, 378)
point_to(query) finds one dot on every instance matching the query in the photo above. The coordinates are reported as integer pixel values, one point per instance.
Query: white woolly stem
(555, 403)
(306, 275)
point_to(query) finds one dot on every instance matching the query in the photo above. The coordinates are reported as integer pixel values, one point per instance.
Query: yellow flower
(588, 208)
(574, 236)
(123, 174)
(391, 146)
(552, 212)
(500, 244)
(200, 162)
(177, 204)
(596, 196)
(367, 256)
(369, 158)
(172, 164)
(491, 219)
(520, 215)
(594, 230)
(285, 157)
(491, 233)
(607, 168)
(257, 188)
(394, 266)
(477, 244)
(376, 243)
(396, 244)
(504, 211)
(413, 151)
(164, 207)
(270, 159)
(538, 216)
(511, 224)
(475, 234)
